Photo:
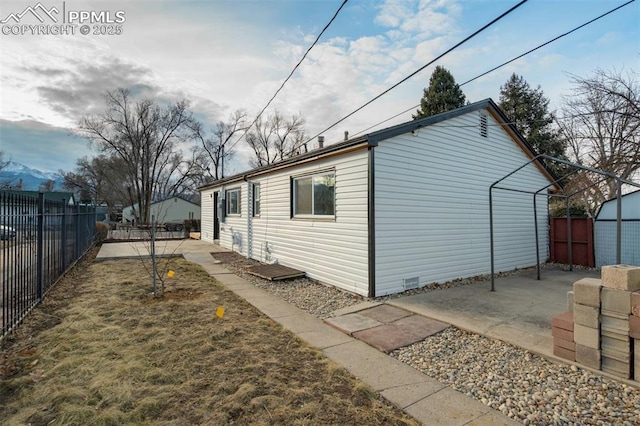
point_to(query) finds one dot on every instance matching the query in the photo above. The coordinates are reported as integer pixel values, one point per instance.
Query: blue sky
(226, 55)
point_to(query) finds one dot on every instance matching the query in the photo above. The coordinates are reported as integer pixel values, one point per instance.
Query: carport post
(491, 237)
(569, 242)
(618, 221)
(535, 219)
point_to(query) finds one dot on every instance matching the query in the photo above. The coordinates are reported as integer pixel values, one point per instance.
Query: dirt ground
(102, 350)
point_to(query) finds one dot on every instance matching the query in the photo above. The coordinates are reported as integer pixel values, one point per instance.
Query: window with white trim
(256, 199)
(233, 201)
(314, 195)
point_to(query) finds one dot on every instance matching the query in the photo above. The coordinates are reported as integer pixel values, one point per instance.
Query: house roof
(613, 199)
(163, 200)
(52, 195)
(372, 139)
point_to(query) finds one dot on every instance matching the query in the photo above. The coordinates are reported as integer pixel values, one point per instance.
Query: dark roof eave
(290, 161)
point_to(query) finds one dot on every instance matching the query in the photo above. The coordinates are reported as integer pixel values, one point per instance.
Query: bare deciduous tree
(217, 145)
(148, 138)
(100, 180)
(3, 164)
(601, 126)
(276, 138)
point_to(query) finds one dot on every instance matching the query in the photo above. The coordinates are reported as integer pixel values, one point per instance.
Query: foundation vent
(409, 283)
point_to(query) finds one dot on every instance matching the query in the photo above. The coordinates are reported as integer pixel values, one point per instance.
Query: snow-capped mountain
(31, 178)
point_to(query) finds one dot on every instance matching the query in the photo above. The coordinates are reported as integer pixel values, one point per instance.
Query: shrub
(102, 231)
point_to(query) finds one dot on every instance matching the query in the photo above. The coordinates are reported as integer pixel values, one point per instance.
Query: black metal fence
(41, 236)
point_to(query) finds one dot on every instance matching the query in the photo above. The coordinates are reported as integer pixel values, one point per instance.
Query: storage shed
(396, 209)
(605, 231)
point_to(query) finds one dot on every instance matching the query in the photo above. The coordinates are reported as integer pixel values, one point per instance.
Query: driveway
(518, 312)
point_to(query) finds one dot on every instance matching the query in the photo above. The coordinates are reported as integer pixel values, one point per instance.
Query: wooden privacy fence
(581, 241)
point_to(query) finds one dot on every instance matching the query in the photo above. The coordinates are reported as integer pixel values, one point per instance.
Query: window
(314, 195)
(233, 201)
(256, 199)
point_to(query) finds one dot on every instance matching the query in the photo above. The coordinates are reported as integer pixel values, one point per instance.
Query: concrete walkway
(420, 396)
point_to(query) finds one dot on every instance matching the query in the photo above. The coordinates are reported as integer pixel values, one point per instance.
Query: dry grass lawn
(101, 350)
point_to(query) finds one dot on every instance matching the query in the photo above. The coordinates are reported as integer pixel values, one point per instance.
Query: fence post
(76, 248)
(153, 254)
(64, 234)
(40, 247)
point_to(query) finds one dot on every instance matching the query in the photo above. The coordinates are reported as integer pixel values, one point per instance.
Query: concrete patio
(519, 311)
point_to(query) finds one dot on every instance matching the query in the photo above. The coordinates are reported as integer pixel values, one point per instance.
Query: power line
(290, 74)
(508, 62)
(422, 68)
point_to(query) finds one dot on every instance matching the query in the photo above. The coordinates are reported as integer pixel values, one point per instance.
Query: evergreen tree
(528, 111)
(442, 95)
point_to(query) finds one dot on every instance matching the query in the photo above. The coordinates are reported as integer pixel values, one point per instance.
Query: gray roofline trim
(372, 139)
(409, 126)
(289, 161)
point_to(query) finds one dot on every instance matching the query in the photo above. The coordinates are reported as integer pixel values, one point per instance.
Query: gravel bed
(307, 294)
(522, 385)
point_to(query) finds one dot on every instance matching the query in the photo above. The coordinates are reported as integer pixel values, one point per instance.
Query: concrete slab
(351, 323)
(373, 367)
(406, 395)
(274, 309)
(200, 258)
(421, 326)
(323, 339)
(518, 312)
(301, 322)
(387, 337)
(447, 407)
(385, 313)
(142, 249)
(355, 308)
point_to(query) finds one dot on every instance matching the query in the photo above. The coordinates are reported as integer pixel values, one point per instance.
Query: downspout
(371, 221)
(249, 217)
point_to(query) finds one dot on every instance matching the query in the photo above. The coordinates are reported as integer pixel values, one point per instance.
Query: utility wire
(290, 74)
(422, 68)
(508, 62)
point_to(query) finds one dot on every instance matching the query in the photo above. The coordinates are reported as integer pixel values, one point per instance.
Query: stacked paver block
(634, 333)
(562, 332)
(586, 317)
(617, 341)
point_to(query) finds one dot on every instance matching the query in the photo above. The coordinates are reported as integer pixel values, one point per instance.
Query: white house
(170, 210)
(395, 209)
(605, 231)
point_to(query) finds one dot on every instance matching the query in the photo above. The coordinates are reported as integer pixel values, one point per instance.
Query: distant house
(17, 204)
(396, 209)
(170, 210)
(605, 231)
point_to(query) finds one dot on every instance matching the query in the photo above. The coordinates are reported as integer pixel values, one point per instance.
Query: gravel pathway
(523, 386)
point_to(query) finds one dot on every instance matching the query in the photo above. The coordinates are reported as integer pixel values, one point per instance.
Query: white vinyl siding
(606, 231)
(333, 251)
(432, 204)
(206, 221)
